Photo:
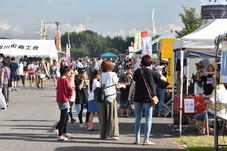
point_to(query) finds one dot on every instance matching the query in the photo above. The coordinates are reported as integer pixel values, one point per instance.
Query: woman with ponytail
(93, 106)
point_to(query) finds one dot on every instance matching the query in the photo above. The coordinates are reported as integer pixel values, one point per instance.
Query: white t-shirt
(31, 66)
(79, 65)
(21, 69)
(95, 84)
(221, 100)
(109, 78)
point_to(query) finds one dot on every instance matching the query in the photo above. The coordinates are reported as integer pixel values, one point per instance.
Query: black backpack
(99, 93)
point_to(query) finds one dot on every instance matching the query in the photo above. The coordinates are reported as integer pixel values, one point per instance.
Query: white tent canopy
(31, 48)
(202, 38)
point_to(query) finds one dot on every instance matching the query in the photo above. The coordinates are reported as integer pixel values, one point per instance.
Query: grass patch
(203, 143)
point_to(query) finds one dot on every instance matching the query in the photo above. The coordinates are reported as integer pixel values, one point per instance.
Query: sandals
(148, 143)
(136, 142)
(63, 139)
(68, 136)
(92, 129)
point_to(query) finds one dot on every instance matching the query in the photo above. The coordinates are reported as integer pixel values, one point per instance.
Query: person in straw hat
(198, 83)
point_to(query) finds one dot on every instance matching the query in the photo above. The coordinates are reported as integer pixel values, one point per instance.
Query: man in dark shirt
(13, 73)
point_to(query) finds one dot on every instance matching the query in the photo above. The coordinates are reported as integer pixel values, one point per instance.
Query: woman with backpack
(108, 109)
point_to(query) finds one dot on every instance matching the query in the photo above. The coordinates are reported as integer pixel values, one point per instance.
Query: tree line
(91, 44)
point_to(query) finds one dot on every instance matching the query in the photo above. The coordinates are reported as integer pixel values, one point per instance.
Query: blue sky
(21, 19)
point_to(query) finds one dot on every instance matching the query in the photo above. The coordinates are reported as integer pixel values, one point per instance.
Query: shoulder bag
(154, 100)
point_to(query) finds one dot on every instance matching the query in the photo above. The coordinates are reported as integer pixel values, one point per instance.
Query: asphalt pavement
(28, 123)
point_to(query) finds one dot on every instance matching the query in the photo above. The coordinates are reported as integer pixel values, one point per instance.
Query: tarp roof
(31, 48)
(202, 38)
(109, 55)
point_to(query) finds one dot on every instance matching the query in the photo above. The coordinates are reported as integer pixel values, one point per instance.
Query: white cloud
(8, 30)
(161, 30)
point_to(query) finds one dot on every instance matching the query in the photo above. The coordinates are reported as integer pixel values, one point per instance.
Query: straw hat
(213, 64)
(200, 65)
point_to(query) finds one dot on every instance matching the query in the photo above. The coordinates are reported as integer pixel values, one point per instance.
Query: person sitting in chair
(221, 102)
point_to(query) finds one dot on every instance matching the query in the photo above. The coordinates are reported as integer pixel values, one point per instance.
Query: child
(64, 93)
(81, 87)
(93, 106)
(124, 97)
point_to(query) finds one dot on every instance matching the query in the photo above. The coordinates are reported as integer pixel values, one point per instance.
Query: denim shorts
(201, 116)
(124, 104)
(63, 105)
(93, 106)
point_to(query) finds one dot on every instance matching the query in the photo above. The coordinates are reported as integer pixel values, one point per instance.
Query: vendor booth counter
(191, 105)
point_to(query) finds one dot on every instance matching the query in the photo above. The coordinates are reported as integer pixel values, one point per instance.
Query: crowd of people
(75, 83)
(12, 73)
(79, 80)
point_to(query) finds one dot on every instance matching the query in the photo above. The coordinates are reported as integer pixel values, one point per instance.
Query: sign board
(214, 9)
(189, 106)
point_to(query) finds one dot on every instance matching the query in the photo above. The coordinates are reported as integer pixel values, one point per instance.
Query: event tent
(200, 43)
(31, 48)
(109, 55)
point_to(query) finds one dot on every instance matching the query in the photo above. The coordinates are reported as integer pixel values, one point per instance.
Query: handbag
(154, 100)
(42, 75)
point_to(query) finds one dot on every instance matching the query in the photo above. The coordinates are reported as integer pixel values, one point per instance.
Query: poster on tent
(146, 46)
(214, 9)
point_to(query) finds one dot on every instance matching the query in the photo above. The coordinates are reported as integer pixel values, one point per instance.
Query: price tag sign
(189, 106)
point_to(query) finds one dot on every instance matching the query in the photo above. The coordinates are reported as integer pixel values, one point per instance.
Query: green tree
(155, 37)
(191, 21)
(89, 43)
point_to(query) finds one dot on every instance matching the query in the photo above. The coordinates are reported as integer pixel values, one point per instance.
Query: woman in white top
(108, 109)
(55, 73)
(21, 72)
(31, 72)
(93, 106)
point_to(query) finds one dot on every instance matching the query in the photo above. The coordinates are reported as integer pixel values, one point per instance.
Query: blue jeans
(148, 117)
(160, 92)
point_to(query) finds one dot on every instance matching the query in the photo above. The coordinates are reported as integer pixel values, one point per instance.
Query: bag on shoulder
(154, 100)
(99, 94)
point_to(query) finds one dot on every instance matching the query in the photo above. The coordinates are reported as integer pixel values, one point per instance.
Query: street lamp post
(57, 23)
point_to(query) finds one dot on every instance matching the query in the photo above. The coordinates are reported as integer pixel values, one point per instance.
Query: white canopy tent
(202, 38)
(198, 44)
(31, 48)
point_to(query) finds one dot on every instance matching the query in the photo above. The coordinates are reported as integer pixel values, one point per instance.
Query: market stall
(198, 44)
(31, 48)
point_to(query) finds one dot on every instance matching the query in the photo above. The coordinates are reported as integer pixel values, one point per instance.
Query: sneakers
(55, 131)
(83, 125)
(3, 109)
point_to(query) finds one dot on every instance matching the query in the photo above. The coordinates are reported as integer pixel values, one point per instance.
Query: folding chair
(167, 108)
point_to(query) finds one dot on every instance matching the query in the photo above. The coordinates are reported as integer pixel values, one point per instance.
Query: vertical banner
(68, 53)
(43, 31)
(136, 40)
(154, 30)
(147, 46)
(214, 9)
(58, 40)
